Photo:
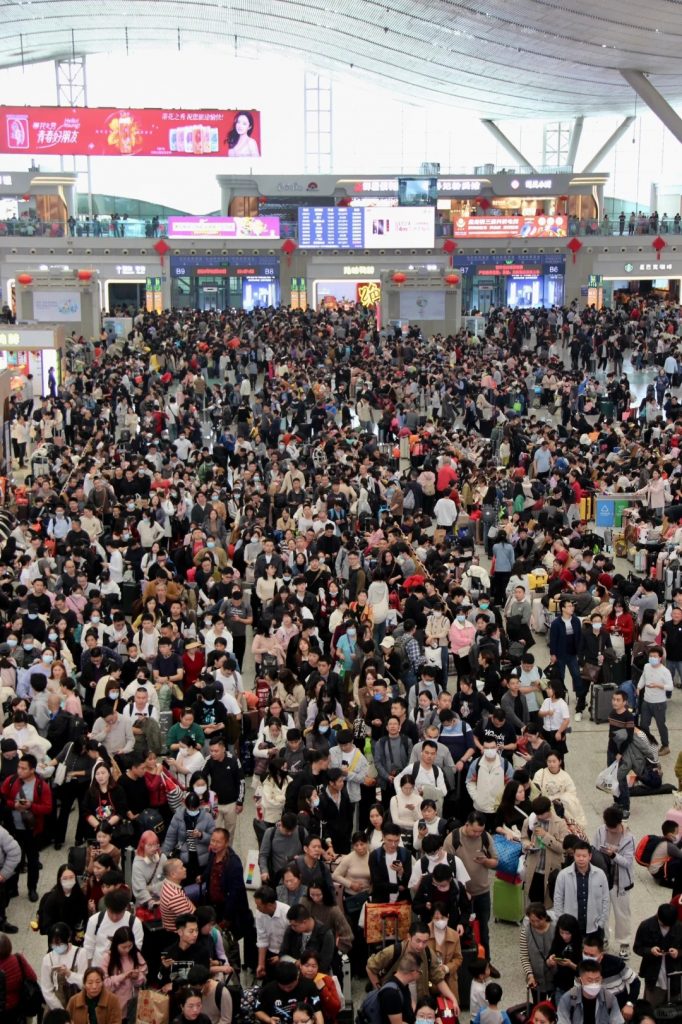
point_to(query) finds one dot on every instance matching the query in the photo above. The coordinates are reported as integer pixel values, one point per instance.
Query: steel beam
(575, 140)
(500, 137)
(654, 101)
(608, 145)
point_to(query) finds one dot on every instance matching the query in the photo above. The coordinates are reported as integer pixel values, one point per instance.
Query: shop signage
(5, 179)
(27, 339)
(223, 227)
(127, 269)
(655, 266)
(532, 184)
(360, 270)
(369, 293)
(211, 271)
(510, 227)
(459, 185)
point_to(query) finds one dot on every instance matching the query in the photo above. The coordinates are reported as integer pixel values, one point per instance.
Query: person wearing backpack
(216, 999)
(431, 976)
(393, 1000)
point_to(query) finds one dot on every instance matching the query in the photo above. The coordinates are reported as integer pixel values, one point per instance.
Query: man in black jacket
(390, 867)
(304, 933)
(336, 811)
(226, 779)
(658, 941)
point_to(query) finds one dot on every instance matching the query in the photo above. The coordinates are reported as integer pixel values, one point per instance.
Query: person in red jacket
(29, 798)
(330, 999)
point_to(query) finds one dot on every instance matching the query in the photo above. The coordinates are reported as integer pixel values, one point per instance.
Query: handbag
(65, 989)
(387, 921)
(174, 791)
(31, 997)
(590, 672)
(59, 774)
(508, 854)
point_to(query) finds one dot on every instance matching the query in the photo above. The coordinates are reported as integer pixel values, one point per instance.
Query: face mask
(592, 991)
(27, 647)
(483, 605)
(125, 535)
(377, 696)
(32, 615)
(60, 949)
(183, 751)
(596, 626)
(53, 636)
(211, 544)
(440, 925)
(460, 617)
(207, 701)
(654, 660)
(94, 619)
(324, 729)
(423, 1020)
(114, 694)
(200, 790)
(490, 754)
(315, 803)
(67, 886)
(351, 634)
(12, 642)
(48, 658)
(192, 814)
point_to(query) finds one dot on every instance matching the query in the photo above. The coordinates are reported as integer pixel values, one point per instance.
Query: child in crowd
(480, 974)
(491, 1013)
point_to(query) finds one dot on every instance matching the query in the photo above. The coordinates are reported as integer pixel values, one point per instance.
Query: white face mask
(67, 885)
(200, 790)
(490, 754)
(440, 925)
(592, 991)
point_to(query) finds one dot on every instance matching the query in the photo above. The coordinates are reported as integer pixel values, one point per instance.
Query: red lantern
(161, 247)
(289, 247)
(26, 197)
(24, 279)
(85, 275)
(575, 245)
(399, 278)
(451, 279)
(658, 244)
(450, 248)
(563, 199)
(483, 203)
(344, 201)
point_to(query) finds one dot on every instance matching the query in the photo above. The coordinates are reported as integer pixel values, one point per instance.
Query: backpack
(370, 1011)
(400, 649)
(485, 838)
(408, 501)
(644, 853)
(415, 772)
(102, 914)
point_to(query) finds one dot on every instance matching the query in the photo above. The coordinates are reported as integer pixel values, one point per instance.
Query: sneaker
(626, 815)
(663, 751)
(578, 716)
(624, 951)
(494, 973)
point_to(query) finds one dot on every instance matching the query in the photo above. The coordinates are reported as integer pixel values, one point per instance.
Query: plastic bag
(607, 780)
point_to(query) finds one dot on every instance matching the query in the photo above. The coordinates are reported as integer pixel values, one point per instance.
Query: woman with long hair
(65, 902)
(272, 791)
(125, 970)
(61, 972)
(103, 802)
(510, 817)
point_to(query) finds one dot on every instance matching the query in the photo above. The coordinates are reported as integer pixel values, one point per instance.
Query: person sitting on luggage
(635, 754)
(491, 1013)
(602, 1005)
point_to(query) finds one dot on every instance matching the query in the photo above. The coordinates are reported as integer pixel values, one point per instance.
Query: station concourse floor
(586, 757)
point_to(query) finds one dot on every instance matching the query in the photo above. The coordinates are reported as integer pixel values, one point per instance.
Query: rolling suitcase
(165, 722)
(600, 701)
(641, 560)
(507, 901)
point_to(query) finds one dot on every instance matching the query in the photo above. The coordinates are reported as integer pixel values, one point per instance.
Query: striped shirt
(173, 902)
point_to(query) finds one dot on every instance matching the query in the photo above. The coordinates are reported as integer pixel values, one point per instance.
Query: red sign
(106, 131)
(544, 226)
(509, 270)
(211, 271)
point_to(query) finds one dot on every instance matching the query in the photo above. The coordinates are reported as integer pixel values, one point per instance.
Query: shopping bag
(508, 854)
(152, 1007)
(607, 780)
(387, 921)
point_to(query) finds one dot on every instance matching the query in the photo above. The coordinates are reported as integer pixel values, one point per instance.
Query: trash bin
(607, 408)
(619, 507)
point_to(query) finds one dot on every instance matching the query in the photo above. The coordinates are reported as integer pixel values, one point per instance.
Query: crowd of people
(288, 565)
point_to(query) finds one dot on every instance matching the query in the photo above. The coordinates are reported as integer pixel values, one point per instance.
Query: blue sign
(606, 513)
(331, 227)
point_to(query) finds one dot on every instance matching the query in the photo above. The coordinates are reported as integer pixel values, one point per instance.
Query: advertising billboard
(377, 227)
(56, 306)
(544, 226)
(113, 131)
(422, 305)
(223, 227)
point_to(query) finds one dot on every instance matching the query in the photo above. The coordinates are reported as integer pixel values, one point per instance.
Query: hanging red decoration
(659, 244)
(399, 278)
(85, 275)
(261, 200)
(451, 279)
(26, 197)
(289, 247)
(563, 199)
(161, 247)
(24, 279)
(575, 245)
(450, 248)
(344, 201)
(483, 202)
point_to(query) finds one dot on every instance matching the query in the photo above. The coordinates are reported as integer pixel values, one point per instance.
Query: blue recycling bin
(606, 512)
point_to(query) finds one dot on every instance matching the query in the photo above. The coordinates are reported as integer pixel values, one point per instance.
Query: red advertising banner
(107, 131)
(544, 226)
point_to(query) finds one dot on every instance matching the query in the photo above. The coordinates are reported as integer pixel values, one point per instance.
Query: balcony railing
(136, 227)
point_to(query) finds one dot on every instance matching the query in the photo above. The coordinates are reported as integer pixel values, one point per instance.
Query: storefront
(520, 280)
(223, 282)
(32, 350)
(333, 279)
(622, 277)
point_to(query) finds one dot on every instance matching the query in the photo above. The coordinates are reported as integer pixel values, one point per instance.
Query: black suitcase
(600, 701)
